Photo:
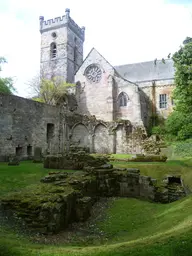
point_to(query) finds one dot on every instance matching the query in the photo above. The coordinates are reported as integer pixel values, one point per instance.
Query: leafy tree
(50, 91)
(183, 78)
(179, 123)
(6, 84)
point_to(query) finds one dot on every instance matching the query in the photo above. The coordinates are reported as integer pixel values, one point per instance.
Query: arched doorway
(101, 139)
(80, 136)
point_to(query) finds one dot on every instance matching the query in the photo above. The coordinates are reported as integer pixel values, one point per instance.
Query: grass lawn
(121, 156)
(14, 178)
(132, 227)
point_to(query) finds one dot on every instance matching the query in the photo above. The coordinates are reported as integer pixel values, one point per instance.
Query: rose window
(93, 73)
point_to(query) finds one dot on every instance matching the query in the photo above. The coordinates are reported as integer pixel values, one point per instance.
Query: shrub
(183, 149)
(158, 130)
(185, 132)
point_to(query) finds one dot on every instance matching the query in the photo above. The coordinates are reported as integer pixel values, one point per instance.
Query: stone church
(111, 106)
(133, 92)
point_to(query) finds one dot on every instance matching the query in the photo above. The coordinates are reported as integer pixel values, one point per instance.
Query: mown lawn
(14, 178)
(132, 227)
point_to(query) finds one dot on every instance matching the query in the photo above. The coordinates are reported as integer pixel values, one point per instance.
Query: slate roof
(147, 71)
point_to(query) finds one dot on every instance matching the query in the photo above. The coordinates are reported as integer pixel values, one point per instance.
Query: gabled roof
(147, 71)
(93, 49)
(114, 68)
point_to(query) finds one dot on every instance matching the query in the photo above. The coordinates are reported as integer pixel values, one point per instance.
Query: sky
(124, 31)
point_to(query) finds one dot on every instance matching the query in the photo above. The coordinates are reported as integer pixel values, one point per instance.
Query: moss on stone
(68, 198)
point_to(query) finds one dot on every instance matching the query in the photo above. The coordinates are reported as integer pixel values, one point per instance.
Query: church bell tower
(61, 47)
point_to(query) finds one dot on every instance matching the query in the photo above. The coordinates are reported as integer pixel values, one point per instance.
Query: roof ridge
(142, 62)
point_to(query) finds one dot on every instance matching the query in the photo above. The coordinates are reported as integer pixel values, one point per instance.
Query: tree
(50, 91)
(6, 84)
(183, 78)
(179, 123)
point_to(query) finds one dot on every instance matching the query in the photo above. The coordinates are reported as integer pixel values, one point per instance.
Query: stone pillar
(138, 107)
(112, 142)
(92, 148)
(110, 109)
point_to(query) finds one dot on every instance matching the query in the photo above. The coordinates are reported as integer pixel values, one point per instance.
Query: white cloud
(124, 32)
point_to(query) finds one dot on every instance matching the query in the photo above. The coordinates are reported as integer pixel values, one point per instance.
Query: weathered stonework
(68, 38)
(101, 98)
(65, 198)
(108, 111)
(23, 126)
(26, 124)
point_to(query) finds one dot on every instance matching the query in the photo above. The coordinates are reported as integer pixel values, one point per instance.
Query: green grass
(116, 156)
(125, 221)
(121, 156)
(160, 170)
(132, 227)
(14, 178)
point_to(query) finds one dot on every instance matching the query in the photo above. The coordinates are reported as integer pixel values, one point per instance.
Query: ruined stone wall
(26, 124)
(87, 131)
(104, 137)
(23, 126)
(129, 138)
(66, 198)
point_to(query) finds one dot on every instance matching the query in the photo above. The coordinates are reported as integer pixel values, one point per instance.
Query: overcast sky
(124, 31)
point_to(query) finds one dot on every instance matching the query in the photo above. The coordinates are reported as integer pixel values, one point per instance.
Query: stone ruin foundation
(63, 198)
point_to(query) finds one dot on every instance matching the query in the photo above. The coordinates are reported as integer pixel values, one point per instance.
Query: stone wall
(26, 124)
(132, 111)
(96, 98)
(102, 98)
(104, 137)
(67, 198)
(23, 126)
(151, 91)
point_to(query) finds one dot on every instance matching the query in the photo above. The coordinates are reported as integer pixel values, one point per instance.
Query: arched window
(122, 99)
(53, 49)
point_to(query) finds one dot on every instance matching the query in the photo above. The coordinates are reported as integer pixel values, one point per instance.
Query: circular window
(93, 73)
(54, 35)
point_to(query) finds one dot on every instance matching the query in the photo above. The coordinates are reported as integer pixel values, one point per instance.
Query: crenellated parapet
(65, 20)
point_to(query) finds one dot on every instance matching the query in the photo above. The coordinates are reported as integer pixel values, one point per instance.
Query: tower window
(54, 35)
(163, 101)
(53, 50)
(122, 99)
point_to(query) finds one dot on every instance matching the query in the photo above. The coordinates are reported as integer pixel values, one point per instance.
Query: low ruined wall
(64, 198)
(26, 124)
(23, 126)
(105, 137)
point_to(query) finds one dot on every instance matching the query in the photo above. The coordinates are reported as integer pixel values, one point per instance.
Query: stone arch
(80, 136)
(101, 139)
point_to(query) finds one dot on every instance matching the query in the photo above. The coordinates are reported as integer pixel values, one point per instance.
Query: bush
(174, 123)
(185, 132)
(183, 149)
(158, 130)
